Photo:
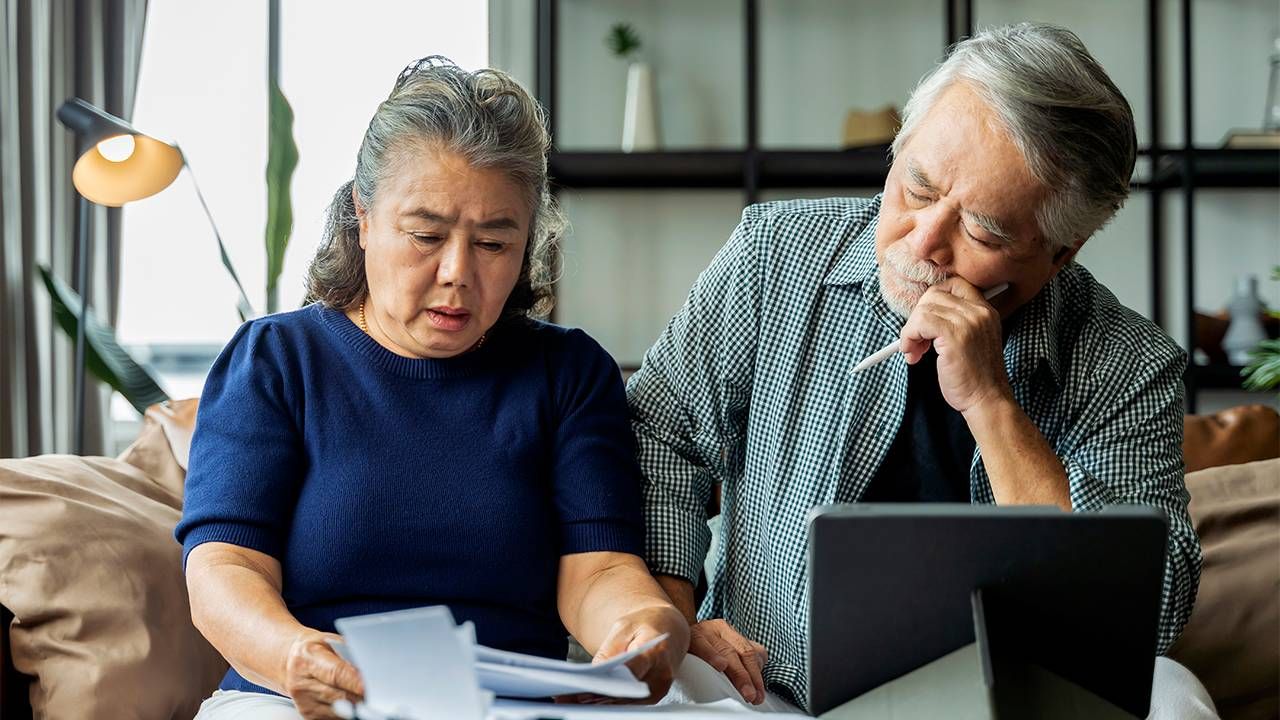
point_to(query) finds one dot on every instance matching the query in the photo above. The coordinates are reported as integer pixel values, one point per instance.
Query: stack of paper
(419, 664)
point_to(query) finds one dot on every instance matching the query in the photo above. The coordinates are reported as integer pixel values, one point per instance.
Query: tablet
(891, 588)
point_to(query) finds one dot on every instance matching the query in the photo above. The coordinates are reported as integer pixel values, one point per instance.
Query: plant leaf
(1263, 370)
(282, 160)
(104, 357)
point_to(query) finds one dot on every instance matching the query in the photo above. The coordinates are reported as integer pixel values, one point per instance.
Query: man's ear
(1065, 255)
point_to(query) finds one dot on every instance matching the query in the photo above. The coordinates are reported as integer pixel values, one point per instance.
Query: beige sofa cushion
(1232, 642)
(91, 572)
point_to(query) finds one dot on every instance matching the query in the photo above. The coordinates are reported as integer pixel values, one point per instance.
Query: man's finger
(741, 679)
(751, 662)
(701, 647)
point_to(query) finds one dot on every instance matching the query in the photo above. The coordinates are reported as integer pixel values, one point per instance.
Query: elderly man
(1012, 153)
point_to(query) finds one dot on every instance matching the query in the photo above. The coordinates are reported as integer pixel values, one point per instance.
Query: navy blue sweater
(381, 482)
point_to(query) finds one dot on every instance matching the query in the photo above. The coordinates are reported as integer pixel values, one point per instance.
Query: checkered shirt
(750, 386)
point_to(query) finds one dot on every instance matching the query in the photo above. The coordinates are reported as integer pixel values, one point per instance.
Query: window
(203, 85)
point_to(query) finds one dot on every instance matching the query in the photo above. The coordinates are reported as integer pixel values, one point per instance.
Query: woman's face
(444, 243)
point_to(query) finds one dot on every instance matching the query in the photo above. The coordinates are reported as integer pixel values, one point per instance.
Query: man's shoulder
(1106, 333)
(818, 212)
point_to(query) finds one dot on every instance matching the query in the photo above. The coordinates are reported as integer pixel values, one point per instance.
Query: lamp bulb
(118, 148)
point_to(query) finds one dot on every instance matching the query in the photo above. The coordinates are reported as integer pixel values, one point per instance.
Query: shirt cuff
(245, 536)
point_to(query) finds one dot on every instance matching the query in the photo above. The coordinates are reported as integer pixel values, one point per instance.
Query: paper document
(419, 664)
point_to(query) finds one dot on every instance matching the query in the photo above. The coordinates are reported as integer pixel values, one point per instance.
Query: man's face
(960, 200)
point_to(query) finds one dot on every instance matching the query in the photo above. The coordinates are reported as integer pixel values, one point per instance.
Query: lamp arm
(243, 307)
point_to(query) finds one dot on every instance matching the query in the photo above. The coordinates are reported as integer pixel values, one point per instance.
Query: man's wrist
(681, 593)
(991, 412)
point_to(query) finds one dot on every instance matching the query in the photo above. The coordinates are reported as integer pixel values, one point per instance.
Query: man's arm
(688, 406)
(1125, 448)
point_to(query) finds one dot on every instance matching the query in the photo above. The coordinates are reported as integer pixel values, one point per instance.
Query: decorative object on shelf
(1268, 138)
(1272, 120)
(873, 127)
(1263, 369)
(1245, 331)
(640, 118)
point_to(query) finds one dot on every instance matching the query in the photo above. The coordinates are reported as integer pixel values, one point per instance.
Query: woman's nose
(455, 263)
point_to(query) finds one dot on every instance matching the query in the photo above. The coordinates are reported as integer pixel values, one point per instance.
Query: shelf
(1221, 168)
(675, 169)
(725, 169)
(1216, 377)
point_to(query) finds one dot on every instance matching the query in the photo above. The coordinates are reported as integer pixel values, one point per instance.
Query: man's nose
(931, 238)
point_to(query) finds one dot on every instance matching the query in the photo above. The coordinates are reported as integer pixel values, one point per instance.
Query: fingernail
(748, 692)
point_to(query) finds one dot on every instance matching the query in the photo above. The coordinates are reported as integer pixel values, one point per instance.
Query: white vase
(1245, 331)
(640, 121)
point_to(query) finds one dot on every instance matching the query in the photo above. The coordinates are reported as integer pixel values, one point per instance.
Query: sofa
(94, 620)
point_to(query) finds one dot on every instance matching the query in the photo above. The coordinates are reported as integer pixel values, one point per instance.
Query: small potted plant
(639, 123)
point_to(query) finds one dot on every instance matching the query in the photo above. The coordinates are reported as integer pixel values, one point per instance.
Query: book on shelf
(1252, 140)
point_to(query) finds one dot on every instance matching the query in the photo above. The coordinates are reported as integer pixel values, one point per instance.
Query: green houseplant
(106, 358)
(1263, 370)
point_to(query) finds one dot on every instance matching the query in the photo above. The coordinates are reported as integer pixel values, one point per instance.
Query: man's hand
(315, 676)
(726, 650)
(965, 329)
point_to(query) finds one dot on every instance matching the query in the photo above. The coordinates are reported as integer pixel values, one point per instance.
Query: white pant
(1176, 694)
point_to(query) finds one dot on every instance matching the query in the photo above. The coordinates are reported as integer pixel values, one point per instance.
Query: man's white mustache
(899, 259)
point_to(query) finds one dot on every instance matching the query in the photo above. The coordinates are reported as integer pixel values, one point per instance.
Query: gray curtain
(51, 50)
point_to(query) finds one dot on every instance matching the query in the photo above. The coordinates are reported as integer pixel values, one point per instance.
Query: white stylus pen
(889, 350)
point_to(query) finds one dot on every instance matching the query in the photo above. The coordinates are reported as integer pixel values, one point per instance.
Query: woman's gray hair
(483, 116)
(1070, 122)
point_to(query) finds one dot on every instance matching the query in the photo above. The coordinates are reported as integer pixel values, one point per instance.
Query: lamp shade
(116, 163)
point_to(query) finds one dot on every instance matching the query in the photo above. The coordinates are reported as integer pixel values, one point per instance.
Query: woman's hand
(655, 667)
(726, 650)
(315, 676)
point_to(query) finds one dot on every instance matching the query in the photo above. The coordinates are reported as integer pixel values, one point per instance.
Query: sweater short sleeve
(247, 460)
(596, 480)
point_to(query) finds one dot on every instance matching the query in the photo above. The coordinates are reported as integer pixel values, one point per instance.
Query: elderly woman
(412, 437)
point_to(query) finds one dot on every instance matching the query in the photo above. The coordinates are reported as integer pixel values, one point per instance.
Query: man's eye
(983, 243)
(916, 196)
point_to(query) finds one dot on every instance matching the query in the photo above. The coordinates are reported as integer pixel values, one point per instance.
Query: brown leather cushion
(1236, 435)
(91, 571)
(1232, 642)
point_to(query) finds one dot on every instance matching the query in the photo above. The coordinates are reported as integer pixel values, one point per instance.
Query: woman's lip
(447, 321)
(447, 310)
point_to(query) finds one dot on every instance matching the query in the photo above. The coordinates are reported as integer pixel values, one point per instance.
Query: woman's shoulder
(560, 340)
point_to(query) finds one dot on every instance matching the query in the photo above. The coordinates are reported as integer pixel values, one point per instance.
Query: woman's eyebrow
(502, 222)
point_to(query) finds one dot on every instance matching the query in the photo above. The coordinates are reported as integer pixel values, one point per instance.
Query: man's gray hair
(483, 116)
(1072, 125)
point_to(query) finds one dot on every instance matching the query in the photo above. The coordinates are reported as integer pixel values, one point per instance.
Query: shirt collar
(1034, 340)
(857, 260)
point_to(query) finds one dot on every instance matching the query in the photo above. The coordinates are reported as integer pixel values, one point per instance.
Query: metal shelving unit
(751, 169)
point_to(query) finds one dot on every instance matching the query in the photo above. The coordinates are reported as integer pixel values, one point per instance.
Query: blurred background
(669, 116)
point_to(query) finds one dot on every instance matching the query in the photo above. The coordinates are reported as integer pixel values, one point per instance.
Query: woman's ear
(362, 218)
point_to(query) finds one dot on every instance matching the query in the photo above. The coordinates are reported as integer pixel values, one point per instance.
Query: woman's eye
(425, 238)
(490, 246)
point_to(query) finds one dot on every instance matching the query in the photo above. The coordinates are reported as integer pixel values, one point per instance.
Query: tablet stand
(985, 680)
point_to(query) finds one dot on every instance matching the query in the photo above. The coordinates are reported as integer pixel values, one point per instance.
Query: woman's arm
(236, 604)
(610, 603)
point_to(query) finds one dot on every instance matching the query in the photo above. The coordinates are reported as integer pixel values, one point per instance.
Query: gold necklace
(365, 327)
